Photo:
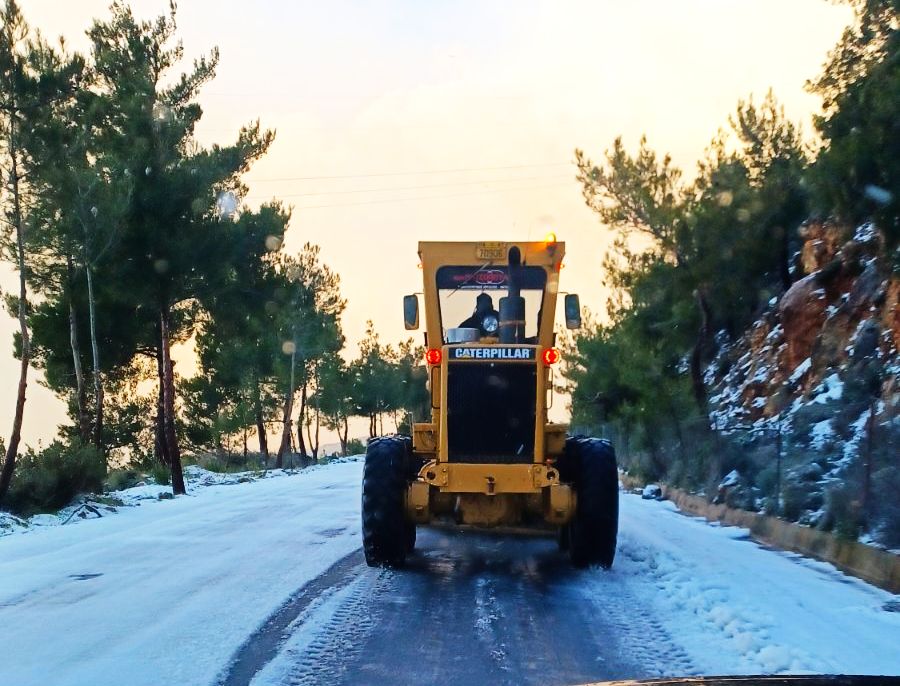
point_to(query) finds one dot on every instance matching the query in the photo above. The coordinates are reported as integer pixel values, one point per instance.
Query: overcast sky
(373, 103)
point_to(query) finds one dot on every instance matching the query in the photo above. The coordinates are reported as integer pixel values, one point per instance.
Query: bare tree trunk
(95, 358)
(260, 425)
(315, 447)
(159, 434)
(286, 415)
(700, 346)
(9, 463)
(245, 444)
(84, 428)
(285, 443)
(342, 437)
(301, 420)
(171, 439)
(313, 444)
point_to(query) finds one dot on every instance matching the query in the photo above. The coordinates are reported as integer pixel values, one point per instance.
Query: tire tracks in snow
(265, 643)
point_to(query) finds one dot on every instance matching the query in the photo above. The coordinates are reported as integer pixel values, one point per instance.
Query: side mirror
(572, 311)
(411, 312)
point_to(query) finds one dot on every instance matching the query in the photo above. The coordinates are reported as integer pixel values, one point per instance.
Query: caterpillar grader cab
(490, 457)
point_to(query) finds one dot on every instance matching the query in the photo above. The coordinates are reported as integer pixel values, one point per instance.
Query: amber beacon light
(433, 356)
(551, 356)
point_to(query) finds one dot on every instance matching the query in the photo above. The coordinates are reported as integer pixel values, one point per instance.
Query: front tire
(594, 528)
(386, 533)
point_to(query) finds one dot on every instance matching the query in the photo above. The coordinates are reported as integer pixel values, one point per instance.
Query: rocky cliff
(820, 367)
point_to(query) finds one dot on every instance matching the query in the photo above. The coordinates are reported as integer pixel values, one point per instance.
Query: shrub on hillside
(48, 480)
(355, 447)
(120, 479)
(885, 507)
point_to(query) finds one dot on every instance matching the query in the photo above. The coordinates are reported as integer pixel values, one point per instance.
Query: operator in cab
(485, 318)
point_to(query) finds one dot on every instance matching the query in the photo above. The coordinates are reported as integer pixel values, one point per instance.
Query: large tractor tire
(590, 464)
(387, 536)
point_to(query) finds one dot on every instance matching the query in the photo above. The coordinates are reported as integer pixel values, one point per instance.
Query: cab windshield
(469, 297)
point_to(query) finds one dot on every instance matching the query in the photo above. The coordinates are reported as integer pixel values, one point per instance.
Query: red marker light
(433, 356)
(551, 356)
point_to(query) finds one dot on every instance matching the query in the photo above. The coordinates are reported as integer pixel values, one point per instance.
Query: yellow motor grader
(490, 457)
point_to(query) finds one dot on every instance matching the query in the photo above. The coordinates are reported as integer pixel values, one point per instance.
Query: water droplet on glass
(288, 348)
(882, 196)
(226, 204)
(273, 243)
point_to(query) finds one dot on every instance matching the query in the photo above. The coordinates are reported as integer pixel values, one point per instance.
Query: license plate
(490, 251)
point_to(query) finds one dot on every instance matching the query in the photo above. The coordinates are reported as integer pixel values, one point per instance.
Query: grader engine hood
(491, 400)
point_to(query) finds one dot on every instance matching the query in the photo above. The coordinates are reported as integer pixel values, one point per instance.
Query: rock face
(816, 381)
(802, 312)
(842, 316)
(892, 311)
(821, 242)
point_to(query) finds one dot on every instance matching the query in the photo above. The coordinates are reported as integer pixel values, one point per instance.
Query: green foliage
(389, 380)
(161, 474)
(120, 479)
(885, 506)
(50, 479)
(843, 513)
(857, 174)
(690, 259)
(355, 447)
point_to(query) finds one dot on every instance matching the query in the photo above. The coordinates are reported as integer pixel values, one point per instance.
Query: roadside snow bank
(93, 506)
(738, 608)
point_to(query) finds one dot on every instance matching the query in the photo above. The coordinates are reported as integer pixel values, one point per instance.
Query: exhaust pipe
(512, 307)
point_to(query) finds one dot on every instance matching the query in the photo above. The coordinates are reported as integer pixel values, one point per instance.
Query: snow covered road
(172, 592)
(165, 593)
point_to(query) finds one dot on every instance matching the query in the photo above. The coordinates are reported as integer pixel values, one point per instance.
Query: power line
(411, 188)
(431, 197)
(410, 173)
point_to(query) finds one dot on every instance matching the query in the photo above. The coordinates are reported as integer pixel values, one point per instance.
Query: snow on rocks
(820, 434)
(831, 388)
(800, 370)
(11, 524)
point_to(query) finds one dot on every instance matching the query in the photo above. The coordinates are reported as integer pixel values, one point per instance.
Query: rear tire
(591, 463)
(386, 533)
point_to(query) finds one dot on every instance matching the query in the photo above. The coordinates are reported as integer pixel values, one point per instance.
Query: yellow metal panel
(490, 479)
(417, 502)
(555, 439)
(424, 438)
(559, 504)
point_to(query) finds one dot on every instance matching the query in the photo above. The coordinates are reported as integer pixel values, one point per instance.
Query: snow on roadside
(90, 506)
(738, 608)
(166, 593)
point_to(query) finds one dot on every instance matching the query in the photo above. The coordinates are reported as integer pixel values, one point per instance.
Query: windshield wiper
(471, 276)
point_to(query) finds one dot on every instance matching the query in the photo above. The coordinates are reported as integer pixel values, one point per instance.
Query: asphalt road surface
(470, 608)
